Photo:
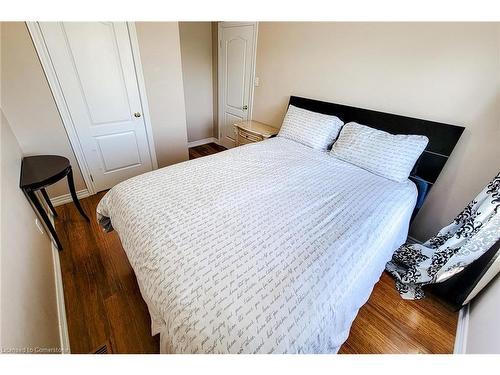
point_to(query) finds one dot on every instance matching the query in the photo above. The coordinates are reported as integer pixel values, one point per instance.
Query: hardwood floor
(104, 304)
(204, 150)
(389, 324)
(103, 301)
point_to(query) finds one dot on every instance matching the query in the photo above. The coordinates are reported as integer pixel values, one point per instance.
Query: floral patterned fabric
(475, 230)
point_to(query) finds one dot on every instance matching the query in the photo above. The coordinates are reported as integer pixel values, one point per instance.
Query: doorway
(218, 64)
(95, 77)
(236, 67)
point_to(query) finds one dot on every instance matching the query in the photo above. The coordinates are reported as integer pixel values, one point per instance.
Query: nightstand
(40, 171)
(253, 131)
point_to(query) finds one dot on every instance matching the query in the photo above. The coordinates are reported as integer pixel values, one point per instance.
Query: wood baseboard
(61, 307)
(462, 331)
(203, 141)
(66, 198)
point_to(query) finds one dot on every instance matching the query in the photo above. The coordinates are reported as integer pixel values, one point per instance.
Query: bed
(270, 247)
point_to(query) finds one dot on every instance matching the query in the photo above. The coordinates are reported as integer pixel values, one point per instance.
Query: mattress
(270, 247)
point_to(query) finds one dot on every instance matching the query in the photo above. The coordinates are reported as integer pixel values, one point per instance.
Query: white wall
(197, 70)
(27, 101)
(484, 329)
(161, 62)
(28, 307)
(446, 72)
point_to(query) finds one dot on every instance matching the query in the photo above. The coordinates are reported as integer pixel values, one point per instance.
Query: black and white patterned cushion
(387, 155)
(312, 129)
(471, 234)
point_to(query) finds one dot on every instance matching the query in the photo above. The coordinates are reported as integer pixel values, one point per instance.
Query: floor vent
(103, 349)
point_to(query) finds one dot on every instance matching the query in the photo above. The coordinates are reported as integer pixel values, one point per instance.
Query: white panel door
(94, 65)
(236, 81)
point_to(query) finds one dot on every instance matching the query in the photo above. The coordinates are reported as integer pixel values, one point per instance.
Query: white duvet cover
(270, 247)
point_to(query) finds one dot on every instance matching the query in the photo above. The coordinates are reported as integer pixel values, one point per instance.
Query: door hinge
(92, 178)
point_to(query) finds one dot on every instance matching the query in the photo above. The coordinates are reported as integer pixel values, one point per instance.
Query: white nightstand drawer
(249, 136)
(253, 131)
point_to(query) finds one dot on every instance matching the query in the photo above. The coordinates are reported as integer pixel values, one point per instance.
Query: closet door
(95, 70)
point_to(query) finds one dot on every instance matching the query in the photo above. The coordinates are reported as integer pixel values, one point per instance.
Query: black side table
(38, 172)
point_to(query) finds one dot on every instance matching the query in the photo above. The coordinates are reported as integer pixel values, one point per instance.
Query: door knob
(137, 114)
(245, 107)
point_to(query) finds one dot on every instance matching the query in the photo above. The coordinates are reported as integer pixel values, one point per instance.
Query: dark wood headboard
(442, 137)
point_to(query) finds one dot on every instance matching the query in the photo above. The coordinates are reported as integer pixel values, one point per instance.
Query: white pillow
(312, 129)
(387, 155)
